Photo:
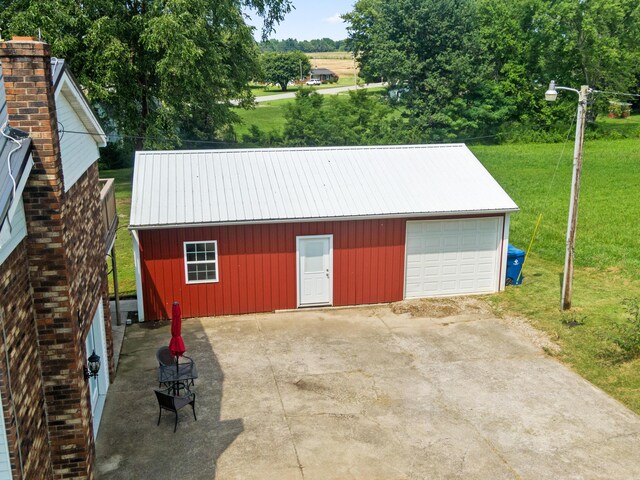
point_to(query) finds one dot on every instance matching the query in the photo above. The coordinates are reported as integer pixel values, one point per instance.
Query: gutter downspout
(138, 269)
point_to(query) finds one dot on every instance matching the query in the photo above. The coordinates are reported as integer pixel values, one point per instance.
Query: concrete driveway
(366, 393)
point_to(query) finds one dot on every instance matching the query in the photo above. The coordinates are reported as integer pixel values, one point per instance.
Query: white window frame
(195, 262)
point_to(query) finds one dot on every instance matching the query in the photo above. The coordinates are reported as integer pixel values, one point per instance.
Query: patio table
(177, 378)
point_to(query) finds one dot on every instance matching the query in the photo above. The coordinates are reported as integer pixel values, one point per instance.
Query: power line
(138, 137)
(625, 94)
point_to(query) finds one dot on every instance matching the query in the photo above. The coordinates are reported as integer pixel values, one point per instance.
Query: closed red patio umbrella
(176, 345)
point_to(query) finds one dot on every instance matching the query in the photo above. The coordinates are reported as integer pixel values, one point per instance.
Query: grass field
(331, 55)
(124, 252)
(607, 250)
(341, 63)
(268, 90)
(607, 253)
(269, 116)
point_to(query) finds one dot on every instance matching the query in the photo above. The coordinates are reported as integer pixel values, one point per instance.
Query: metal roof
(209, 187)
(321, 71)
(58, 65)
(14, 156)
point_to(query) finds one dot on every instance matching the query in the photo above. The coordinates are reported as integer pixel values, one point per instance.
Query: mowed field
(607, 270)
(340, 63)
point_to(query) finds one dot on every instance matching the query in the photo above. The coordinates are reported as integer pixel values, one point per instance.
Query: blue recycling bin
(515, 259)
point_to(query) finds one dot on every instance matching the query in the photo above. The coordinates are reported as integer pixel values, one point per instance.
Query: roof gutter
(434, 215)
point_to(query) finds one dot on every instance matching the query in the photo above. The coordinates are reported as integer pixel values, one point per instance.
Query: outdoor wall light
(551, 94)
(93, 366)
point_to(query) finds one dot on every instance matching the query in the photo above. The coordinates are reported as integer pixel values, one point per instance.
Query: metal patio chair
(173, 403)
(172, 373)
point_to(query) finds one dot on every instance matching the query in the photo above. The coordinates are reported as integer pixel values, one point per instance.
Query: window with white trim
(201, 261)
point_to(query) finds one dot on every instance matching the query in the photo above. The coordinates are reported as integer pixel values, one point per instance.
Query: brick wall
(23, 404)
(65, 252)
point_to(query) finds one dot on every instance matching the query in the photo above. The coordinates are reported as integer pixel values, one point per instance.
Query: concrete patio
(364, 393)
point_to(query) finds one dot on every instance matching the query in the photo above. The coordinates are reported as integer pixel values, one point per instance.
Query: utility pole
(355, 71)
(567, 279)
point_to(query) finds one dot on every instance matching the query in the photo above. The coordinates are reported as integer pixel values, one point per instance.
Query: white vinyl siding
(78, 150)
(453, 257)
(15, 229)
(5, 463)
(201, 261)
(3, 101)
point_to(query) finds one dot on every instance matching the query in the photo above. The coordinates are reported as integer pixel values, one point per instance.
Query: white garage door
(451, 257)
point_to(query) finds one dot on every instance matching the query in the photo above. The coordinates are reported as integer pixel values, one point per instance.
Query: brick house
(54, 309)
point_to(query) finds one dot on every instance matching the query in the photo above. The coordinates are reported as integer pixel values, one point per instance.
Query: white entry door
(315, 275)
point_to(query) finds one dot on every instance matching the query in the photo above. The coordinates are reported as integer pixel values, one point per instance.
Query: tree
(432, 48)
(281, 68)
(477, 67)
(159, 70)
(531, 42)
(304, 123)
(361, 119)
(308, 46)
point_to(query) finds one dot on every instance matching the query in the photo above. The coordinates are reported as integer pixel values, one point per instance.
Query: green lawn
(267, 116)
(607, 250)
(607, 253)
(124, 248)
(262, 91)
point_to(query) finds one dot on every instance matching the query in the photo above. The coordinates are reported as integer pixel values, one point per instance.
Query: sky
(311, 19)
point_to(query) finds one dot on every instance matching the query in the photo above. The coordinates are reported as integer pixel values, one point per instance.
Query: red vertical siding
(257, 266)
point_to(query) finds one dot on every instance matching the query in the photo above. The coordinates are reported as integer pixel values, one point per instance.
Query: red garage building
(242, 231)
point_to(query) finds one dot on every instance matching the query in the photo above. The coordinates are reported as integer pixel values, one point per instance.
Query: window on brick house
(201, 261)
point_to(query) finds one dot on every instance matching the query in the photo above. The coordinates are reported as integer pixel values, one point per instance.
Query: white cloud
(333, 19)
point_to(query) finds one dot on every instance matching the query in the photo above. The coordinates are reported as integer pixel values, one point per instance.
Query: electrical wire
(564, 146)
(221, 142)
(14, 185)
(19, 146)
(624, 94)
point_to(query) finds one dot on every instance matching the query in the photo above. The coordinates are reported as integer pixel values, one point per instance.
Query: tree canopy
(281, 68)
(308, 46)
(474, 67)
(159, 70)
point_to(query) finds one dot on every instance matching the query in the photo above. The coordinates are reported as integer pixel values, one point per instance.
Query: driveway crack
(284, 412)
(456, 413)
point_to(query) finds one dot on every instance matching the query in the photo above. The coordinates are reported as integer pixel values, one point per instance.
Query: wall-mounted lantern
(93, 366)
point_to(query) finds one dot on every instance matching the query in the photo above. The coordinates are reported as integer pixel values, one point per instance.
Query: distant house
(54, 237)
(243, 231)
(323, 74)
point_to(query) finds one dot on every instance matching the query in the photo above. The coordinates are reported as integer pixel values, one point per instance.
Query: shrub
(627, 336)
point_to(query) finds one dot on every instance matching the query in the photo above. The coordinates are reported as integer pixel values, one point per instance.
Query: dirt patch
(153, 325)
(535, 336)
(441, 307)
(310, 386)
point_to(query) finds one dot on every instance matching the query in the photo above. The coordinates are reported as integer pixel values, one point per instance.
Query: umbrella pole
(177, 389)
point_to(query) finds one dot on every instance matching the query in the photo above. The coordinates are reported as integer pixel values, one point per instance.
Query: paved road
(321, 91)
(364, 393)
